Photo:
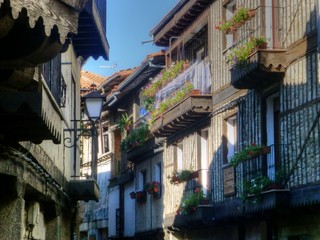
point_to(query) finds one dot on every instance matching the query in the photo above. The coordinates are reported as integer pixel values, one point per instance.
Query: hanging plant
(136, 138)
(183, 176)
(177, 97)
(166, 76)
(249, 152)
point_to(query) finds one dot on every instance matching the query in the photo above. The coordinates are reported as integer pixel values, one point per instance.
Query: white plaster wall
(129, 211)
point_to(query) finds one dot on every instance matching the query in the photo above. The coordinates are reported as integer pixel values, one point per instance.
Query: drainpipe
(114, 99)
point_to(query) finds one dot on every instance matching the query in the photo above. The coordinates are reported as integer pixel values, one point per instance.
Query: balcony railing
(198, 74)
(263, 181)
(263, 66)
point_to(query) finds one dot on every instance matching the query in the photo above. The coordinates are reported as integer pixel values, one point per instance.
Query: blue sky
(128, 24)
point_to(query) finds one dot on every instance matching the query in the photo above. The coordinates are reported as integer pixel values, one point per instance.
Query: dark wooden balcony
(264, 67)
(183, 115)
(29, 116)
(25, 41)
(202, 217)
(84, 190)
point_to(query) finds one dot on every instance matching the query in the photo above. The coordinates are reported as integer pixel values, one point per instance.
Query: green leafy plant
(190, 203)
(177, 97)
(254, 188)
(124, 122)
(259, 41)
(182, 176)
(152, 187)
(238, 57)
(249, 152)
(166, 76)
(136, 137)
(240, 15)
(224, 25)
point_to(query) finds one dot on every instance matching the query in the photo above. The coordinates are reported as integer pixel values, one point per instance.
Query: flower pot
(237, 24)
(133, 195)
(195, 174)
(273, 185)
(195, 92)
(233, 29)
(266, 150)
(263, 46)
(251, 13)
(186, 65)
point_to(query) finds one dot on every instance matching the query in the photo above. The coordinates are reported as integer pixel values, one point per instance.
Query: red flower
(251, 152)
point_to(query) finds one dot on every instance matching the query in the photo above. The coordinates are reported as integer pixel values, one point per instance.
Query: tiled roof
(88, 78)
(111, 84)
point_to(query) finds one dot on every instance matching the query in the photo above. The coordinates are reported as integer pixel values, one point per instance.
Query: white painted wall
(129, 211)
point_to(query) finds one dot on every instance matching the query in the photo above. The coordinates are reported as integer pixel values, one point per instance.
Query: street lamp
(93, 103)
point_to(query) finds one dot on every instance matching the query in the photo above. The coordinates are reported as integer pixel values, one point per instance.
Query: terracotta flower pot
(251, 13)
(195, 92)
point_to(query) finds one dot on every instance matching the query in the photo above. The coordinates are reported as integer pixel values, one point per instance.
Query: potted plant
(253, 188)
(251, 13)
(177, 97)
(124, 122)
(238, 57)
(250, 151)
(133, 195)
(136, 137)
(153, 188)
(225, 25)
(183, 176)
(166, 76)
(240, 16)
(141, 197)
(260, 42)
(190, 203)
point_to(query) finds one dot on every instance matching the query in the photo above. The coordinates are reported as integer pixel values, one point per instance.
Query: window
(204, 168)
(230, 138)
(51, 72)
(272, 130)
(142, 179)
(157, 172)
(157, 175)
(273, 23)
(229, 10)
(106, 142)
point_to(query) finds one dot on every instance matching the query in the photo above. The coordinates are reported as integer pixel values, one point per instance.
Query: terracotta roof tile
(88, 78)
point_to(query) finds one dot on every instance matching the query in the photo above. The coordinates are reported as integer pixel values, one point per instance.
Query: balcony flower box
(153, 188)
(249, 152)
(190, 203)
(141, 197)
(183, 176)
